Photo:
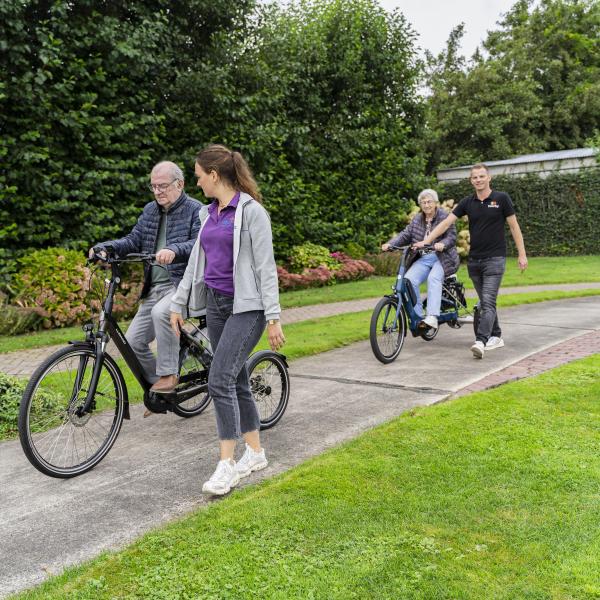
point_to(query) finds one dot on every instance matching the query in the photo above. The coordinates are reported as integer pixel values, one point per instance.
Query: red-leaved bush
(350, 269)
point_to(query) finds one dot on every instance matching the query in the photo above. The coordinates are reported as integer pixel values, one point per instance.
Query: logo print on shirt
(226, 223)
(493, 204)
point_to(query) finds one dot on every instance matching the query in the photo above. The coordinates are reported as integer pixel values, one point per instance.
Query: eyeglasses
(425, 202)
(160, 187)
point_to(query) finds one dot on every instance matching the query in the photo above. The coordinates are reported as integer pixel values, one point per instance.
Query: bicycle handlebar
(110, 258)
(408, 246)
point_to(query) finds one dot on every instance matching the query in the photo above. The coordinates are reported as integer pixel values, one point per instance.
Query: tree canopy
(534, 87)
(320, 95)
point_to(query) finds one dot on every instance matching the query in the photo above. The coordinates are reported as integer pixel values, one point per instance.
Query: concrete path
(155, 470)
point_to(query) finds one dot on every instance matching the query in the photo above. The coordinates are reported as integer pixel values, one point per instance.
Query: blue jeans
(486, 274)
(232, 338)
(427, 267)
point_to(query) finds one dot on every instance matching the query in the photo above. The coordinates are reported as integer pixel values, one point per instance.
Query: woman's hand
(439, 247)
(417, 245)
(385, 247)
(275, 335)
(176, 322)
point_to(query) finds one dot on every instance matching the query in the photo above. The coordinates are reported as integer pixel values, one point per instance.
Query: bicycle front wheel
(56, 439)
(388, 330)
(270, 385)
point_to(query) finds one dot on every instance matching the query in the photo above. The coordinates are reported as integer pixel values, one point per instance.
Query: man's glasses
(160, 187)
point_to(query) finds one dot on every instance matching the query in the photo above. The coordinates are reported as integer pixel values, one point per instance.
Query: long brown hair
(230, 166)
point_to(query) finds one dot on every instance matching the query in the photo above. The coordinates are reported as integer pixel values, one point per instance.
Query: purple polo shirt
(217, 243)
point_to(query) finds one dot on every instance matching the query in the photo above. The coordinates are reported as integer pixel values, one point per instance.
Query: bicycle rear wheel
(56, 440)
(190, 371)
(270, 385)
(387, 332)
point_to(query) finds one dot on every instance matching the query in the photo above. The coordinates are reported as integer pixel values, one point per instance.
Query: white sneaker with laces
(431, 321)
(478, 349)
(494, 342)
(251, 461)
(223, 479)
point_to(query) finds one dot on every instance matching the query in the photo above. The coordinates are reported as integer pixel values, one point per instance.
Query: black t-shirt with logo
(486, 223)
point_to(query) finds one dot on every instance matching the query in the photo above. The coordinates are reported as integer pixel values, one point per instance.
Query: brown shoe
(165, 385)
(147, 413)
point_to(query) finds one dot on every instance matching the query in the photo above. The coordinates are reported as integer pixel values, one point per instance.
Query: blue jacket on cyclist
(181, 226)
(168, 228)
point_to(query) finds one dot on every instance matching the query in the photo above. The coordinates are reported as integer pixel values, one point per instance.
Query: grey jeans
(152, 321)
(233, 337)
(486, 274)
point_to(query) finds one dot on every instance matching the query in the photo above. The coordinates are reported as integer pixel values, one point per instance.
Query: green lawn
(494, 495)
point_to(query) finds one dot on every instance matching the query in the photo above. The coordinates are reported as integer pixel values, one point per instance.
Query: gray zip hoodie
(254, 270)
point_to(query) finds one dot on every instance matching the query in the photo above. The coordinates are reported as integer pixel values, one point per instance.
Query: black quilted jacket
(183, 226)
(415, 232)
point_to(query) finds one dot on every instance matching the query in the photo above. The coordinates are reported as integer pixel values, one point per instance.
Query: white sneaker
(494, 342)
(478, 349)
(431, 321)
(251, 461)
(223, 479)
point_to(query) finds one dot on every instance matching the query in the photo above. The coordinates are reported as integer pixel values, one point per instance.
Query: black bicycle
(75, 402)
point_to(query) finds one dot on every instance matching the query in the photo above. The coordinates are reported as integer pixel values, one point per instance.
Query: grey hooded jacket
(254, 271)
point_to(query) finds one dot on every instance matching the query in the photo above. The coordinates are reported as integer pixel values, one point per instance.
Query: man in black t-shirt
(487, 211)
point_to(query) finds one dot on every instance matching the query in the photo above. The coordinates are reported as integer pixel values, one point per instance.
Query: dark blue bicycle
(395, 312)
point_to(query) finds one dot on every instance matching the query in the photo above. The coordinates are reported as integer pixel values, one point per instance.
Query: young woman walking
(232, 274)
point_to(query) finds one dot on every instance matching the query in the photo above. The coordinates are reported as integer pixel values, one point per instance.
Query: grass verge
(493, 495)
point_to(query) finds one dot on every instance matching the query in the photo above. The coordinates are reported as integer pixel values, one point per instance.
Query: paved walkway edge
(579, 346)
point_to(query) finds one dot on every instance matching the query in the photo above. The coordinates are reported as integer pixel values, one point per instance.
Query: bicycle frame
(405, 297)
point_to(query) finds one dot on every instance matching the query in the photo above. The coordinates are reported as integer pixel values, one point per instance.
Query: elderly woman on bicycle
(434, 264)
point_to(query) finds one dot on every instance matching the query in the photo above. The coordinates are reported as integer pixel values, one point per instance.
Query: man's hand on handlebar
(176, 322)
(165, 256)
(96, 254)
(418, 245)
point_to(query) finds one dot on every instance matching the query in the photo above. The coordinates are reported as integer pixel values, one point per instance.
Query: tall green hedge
(319, 95)
(558, 214)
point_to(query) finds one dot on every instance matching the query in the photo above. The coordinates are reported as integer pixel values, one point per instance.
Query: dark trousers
(486, 274)
(232, 338)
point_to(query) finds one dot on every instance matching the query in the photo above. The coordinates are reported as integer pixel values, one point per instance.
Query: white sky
(434, 19)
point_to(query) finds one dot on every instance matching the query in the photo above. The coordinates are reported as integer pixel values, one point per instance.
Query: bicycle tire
(270, 385)
(190, 364)
(47, 412)
(386, 338)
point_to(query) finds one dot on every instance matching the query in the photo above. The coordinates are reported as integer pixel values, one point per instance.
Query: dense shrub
(11, 392)
(311, 256)
(384, 263)
(347, 269)
(58, 286)
(16, 319)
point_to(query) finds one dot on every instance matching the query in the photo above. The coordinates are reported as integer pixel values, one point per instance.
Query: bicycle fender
(258, 355)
